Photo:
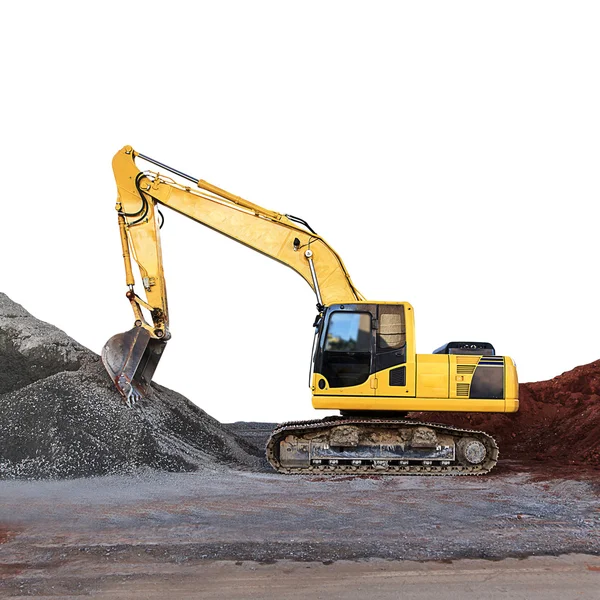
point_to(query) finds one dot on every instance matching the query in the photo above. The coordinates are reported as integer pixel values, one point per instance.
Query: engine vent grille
(466, 360)
(465, 369)
(462, 390)
(398, 377)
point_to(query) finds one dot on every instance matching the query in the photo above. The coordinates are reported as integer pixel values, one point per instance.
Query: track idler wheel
(471, 451)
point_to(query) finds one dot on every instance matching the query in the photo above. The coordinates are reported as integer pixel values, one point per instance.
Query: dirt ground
(535, 578)
(136, 536)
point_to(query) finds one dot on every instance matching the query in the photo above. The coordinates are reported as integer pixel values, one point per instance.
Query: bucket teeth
(129, 392)
(130, 359)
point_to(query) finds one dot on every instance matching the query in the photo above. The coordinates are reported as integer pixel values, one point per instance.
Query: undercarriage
(379, 446)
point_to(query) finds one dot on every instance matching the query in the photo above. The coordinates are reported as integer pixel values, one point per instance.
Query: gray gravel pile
(255, 433)
(61, 417)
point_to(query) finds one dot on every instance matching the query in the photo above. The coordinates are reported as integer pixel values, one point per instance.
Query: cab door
(345, 364)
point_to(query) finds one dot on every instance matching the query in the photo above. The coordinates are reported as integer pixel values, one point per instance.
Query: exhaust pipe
(131, 359)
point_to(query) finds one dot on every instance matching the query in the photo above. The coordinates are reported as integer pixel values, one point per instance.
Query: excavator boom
(131, 358)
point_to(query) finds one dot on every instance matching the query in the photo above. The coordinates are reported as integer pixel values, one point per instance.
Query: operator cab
(357, 340)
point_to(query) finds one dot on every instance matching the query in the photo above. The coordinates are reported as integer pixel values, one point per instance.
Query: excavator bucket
(131, 359)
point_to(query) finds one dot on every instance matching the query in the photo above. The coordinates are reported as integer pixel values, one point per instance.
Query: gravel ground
(153, 531)
(115, 522)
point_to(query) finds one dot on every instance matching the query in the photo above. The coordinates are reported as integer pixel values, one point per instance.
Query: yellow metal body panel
(511, 386)
(442, 384)
(511, 405)
(406, 404)
(433, 375)
(365, 389)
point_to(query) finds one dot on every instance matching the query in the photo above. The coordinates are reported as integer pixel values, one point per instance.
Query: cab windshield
(347, 349)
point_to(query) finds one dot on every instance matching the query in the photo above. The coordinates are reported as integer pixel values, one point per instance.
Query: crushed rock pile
(61, 417)
(558, 419)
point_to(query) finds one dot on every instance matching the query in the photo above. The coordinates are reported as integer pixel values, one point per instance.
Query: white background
(449, 151)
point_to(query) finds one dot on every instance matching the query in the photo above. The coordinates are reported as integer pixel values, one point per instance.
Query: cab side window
(391, 337)
(392, 328)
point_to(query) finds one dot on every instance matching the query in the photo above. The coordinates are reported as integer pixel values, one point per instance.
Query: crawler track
(396, 458)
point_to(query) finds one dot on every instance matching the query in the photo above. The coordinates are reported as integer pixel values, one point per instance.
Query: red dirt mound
(557, 419)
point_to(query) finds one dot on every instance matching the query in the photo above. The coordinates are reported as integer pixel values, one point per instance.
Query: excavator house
(364, 360)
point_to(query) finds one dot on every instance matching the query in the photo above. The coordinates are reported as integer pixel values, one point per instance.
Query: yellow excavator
(364, 360)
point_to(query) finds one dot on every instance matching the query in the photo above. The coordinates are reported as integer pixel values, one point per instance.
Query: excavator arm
(131, 357)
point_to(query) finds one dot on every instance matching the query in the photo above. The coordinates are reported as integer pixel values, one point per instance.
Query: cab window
(392, 328)
(349, 332)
